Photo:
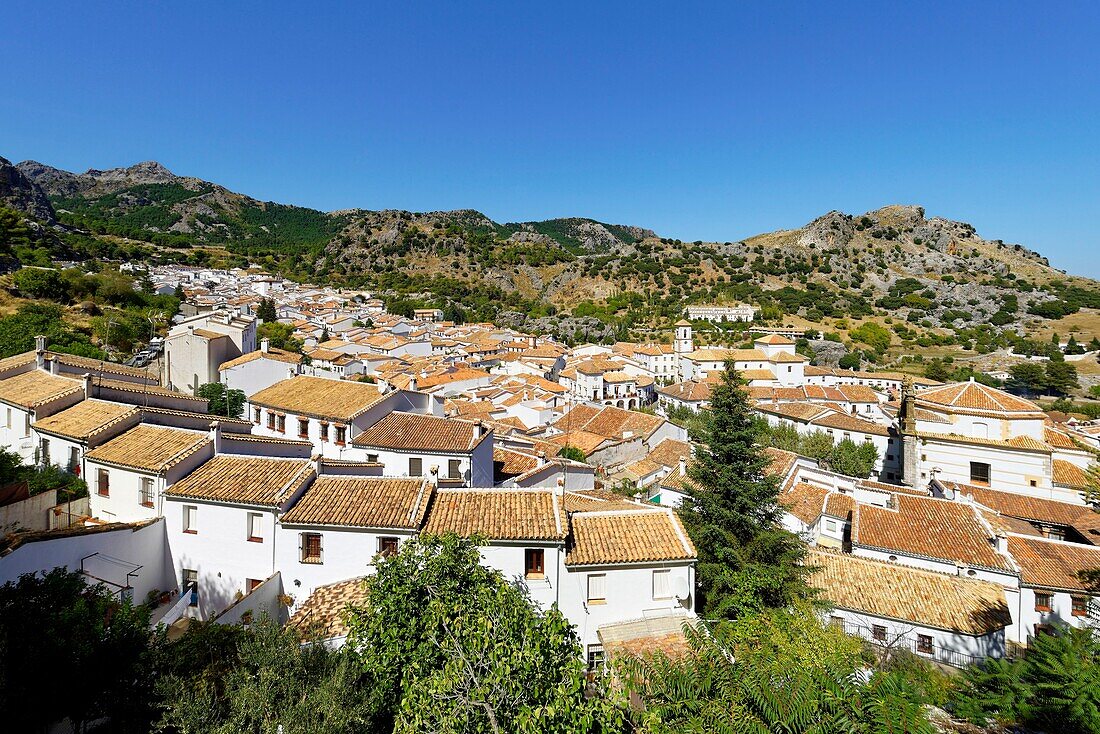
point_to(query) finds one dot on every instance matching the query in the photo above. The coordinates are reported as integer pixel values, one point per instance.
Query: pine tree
(731, 512)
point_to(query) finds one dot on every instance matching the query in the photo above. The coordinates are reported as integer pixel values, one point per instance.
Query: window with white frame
(597, 588)
(662, 588)
(190, 519)
(255, 527)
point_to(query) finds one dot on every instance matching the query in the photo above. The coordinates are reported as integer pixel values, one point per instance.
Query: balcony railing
(954, 658)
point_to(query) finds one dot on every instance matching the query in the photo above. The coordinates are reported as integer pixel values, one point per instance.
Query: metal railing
(909, 643)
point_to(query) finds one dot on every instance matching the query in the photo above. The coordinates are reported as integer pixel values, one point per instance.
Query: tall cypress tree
(731, 512)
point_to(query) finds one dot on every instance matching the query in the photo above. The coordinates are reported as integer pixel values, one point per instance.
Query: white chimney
(40, 352)
(318, 464)
(477, 429)
(412, 383)
(216, 436)
(55, 365)
(1001, 541)
(265, 345)
(560, 487)
(683, 465)
(541, 458)
(433, 475)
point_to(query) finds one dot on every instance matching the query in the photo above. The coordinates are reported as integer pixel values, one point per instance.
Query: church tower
(683, 344)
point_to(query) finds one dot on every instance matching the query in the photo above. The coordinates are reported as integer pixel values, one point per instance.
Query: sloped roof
(254, 480)
(85, 419)
(929, 528)
(29, 390)
(964, 397)
(324, 612)
(1053, 564)
(1022, 506)
(415, 432)
(523, 514)
(908, 594)
(628, 536)
(647, 636)
(1068, 474)
(319, 397)
(371, 502)
(149, 448)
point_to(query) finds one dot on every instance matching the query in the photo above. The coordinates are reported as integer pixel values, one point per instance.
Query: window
(255, 527)
(878, 632)
(830, 525)
(597, 588)
(533, 559)
(1033, 482)
(662, 589)
(102, 483)
(303, 428)
(256, 416)
(146, 498)
(1080, 606)
(190, 519)
(416, 467)
(191, 581)
(341, 435)
(251, 584)
(979, 472)
(271, 420)
(280, 423)
(453, 470)
(372, 458)
(309, 545)
(387, 546)
(924, 644)
(595, 656)
(323, 431)
(1044, 629)
(1042, 602)
(837, 622)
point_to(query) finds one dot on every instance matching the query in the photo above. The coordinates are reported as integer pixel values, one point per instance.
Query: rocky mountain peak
(19, 192)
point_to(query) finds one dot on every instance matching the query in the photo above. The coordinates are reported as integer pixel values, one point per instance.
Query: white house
(417, 445)
(258, 369)
(196, 347)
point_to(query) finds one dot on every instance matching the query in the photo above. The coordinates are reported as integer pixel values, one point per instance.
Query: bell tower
(683, 343)
(907, 424)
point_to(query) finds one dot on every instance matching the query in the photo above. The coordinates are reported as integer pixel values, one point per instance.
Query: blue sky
(711, 122)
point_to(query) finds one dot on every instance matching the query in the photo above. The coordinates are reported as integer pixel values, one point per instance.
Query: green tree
(1060, 376)
(854, 460)
(873, 335)
(776, 672)
(1029, 377)
(573, 454)
(937, 370)
(746, 562)
(17, 332)
(281, 335)
(14, 232)
(40, 283)
(84, 631)
(266, 311)
(448, 645)
(222, 400)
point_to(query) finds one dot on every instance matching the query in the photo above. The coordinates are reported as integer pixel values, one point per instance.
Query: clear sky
(710, 122)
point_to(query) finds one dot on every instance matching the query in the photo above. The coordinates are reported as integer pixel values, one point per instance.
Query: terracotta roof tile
(523, 514)
(149, 448)
(974, 396)
(1068, 474)
(29, 390)
(253, 480)
(929, 528)
(324, 614)
(319, 397)
(1021, 505)
(415, 432)
(645, 637)
(908, 594)
(86, 419)
(1053, 564)
(628, 536)
(370, 502)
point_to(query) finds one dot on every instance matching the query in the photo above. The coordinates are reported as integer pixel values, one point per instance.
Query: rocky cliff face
(19, 192)
(56, 182)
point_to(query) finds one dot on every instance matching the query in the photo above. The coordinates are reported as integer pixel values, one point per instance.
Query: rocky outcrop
(22, 194)
(56, 182)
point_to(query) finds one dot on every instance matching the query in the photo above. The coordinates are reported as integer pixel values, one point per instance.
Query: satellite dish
(680, 588)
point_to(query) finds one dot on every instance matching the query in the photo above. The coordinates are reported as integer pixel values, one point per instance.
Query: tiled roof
(781, 461)
(583, 440)
(1019, 443)
(1053, 564)
(1060, 440)
(30, 389)
(446, 378)
(908, 594)
(146, 389)
(208, 334)
(692, 391)
(319, 397)
(370, 502)
(85, 419)
(511, 463)
(609, 422)
(628, 536)
(594, 500)
(647, 636)
(101, 366)
(416, 432)
(929, 528)
(324, 614)
(669, 451)
(253, 480)
(522, 514)
(839, 505)
(773, 339)
(1021, 505)
(965, 397)
(804, 501)
(1068, 474)
(149, 448)
(277, 355)
(18, 360)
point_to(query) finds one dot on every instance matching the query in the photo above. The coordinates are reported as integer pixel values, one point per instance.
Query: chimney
(54, 365)
(961, 569)
(412, 383)
(265, 345)
(478, 427)
(1001, 542)
(683, 465)
(433, 475)
(541, 458)
(318, 464)
(87, 386)
(216, 436)
(291, 372)
(40, 352)
(559, 489)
